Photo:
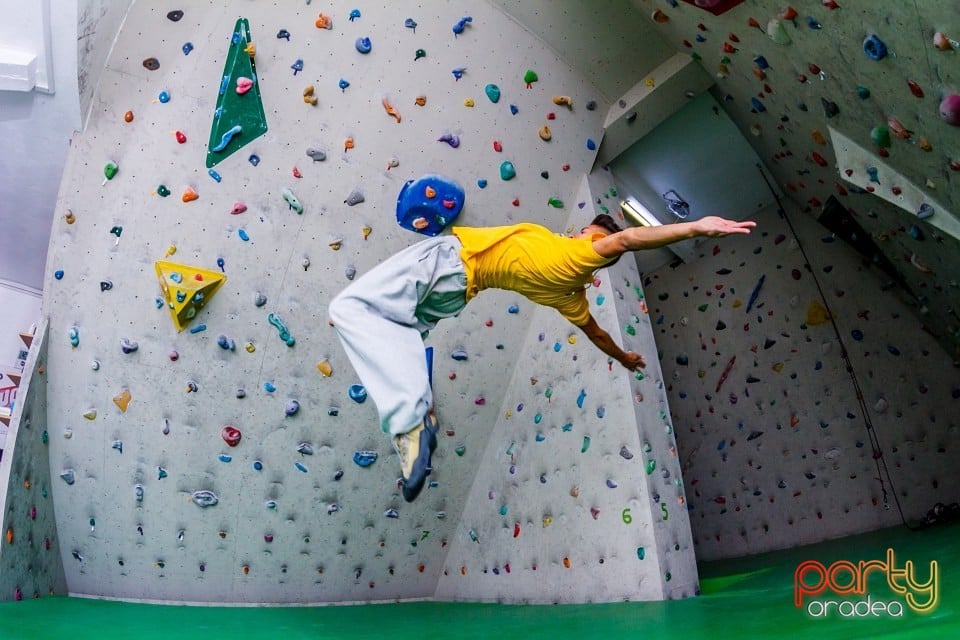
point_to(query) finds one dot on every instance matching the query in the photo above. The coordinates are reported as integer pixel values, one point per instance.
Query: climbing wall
(580, 486)
(235, 460)
(30, 563)
(882, 75)
(777, 448)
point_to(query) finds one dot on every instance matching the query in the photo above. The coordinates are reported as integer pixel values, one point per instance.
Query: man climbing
(384, 315)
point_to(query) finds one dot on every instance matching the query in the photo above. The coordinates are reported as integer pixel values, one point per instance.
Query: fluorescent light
(639, 213)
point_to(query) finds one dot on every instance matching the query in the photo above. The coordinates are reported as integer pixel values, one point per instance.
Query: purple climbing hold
(451, 139)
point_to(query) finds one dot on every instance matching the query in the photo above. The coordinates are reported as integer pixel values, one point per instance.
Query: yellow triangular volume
(187, 289)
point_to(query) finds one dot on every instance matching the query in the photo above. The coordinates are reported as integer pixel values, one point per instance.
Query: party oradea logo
(865, 589)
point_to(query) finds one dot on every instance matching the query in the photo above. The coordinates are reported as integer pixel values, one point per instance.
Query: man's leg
(380, 319)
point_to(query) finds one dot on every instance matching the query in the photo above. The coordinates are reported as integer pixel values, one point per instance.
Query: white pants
(383, 317)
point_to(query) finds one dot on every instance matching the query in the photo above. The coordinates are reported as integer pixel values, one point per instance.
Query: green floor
(746, 598)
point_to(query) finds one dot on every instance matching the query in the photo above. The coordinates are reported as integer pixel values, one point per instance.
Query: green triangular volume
(239, 118)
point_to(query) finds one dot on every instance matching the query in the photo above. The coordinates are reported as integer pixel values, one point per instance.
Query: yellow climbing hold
(336, 244)
(90, 414)
(563, 101)
(186, 289)
(250, 49)
(572, 338)
(468, 102)
(325, 368)
(172, 249)
(122, 399)
(778, 367)
(308, 95)
(649, 82)
(818, 137)
(817, 313)
(547, 521)
(250, 347)
(545, 134)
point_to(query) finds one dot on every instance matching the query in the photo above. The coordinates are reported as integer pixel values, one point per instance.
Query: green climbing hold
(507, 171)
(460, 450)
(703, 307)
(243, 110)
(110, 170)
(493, 92)
(863, 92)
(556, 203)
(585, 445)
(162, 191)
(530, 77)
(630, 330)
(641, 553)
(880, 136)
(651, 465)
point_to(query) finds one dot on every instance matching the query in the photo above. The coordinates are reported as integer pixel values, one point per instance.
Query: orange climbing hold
(189, 194)
(430, 192)
(308, 95)
(566, 562)
(122, 399)
(817, 313)
(9, 535)
(325, 368)
(348, 144)
(391, 111)
(324, 22)
(420, 101)
(659, 16)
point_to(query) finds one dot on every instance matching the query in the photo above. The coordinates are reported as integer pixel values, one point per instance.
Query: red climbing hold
(915, 88)
(819, 159)
(231, 435)
(814, 69)
(497, 146)
(181, 138)
(516, 530)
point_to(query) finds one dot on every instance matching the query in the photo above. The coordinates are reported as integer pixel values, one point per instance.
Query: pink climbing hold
(950, 109)
(238, 208)
(244, 84)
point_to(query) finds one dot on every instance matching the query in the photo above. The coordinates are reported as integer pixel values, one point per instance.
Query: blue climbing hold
(358, 393)
(354, 14)
(343, 84)
(591, 145)
(460, 25)
(187, 48)
(364, 45)
(874, 48)
(581, 398)
(761, 62)
(482, 183)
(243, 235)
(215, 175)
(757, 105)
(297, 66)
(458, 72)
(227, 136)
(410, 23)
(365, 458)
(514, 109)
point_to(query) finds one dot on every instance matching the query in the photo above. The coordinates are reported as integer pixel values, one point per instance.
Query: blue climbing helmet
(428, 204)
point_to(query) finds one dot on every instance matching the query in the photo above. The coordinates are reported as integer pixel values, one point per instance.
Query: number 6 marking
(627, 518)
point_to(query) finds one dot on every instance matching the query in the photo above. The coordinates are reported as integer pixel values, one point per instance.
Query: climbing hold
(122, 400)
(325, 368)
(544, 133)
(874, 48)
(225, 139)
(365, 458)
(163, 97)
(915, 88)
(493, 92)
(243, 85)
(226, 343)
(259, 299)
(391, 111)
(128, 346)
(451, 139)
(151, 64)
(308, 95)
(162, 191)
(238, 208)
(942, 42)
(343, 84)
(355, 197)
(419, 53)
(174, 16)
(357, 393)
(128, 116)
(231, 435)
(283, 34)
(507, 170)
(316, 155)
(297, 66)
(68, 475)
(585, 445)
(110, 170)
(564, 101)
(204, 498)
(458, 72)
(950, 109)
(282, 329)
(292, 201)
(530, 77)
(323, 21)
(189, 194)
(363, 44)
(591, 145)
(863, 92)
(925, 211)
(460, 25)
(291, 409)
(880, 136)
(556, 203)
(830, 109)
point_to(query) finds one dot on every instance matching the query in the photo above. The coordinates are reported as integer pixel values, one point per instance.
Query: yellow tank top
(546, 268)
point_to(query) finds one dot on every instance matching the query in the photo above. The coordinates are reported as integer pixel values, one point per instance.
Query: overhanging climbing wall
(192, 475)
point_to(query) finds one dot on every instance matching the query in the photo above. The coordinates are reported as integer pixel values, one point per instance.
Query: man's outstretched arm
(605, 343)
(639, 238)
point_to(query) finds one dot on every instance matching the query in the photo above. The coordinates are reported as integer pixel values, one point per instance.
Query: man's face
(592, 229)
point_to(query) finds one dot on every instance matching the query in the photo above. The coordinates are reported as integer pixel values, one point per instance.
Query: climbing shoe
(415, 448)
